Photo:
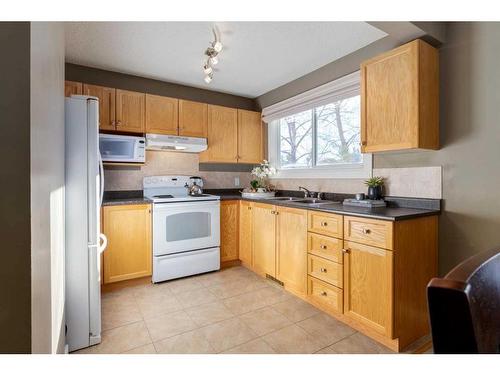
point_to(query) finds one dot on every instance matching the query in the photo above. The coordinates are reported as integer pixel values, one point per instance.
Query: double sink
(303, 201)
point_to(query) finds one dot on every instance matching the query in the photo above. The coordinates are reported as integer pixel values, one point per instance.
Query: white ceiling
(257, 56)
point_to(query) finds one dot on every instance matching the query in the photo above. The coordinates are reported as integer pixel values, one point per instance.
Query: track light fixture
(211, 53)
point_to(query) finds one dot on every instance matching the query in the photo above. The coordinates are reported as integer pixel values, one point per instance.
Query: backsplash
(169, 163)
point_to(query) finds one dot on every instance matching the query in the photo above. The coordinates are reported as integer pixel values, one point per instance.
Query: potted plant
(262, 173)
(375, 187)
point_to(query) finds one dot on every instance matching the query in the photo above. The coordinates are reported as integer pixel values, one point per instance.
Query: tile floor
(231, 311)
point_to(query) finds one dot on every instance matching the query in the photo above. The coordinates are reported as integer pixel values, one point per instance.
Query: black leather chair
(464, 306)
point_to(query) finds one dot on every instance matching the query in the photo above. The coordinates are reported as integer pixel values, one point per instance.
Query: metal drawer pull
(323, 293)
(323, 247)
(345, 251)
(366, 231)
(249, 208)
(322, 269)
(324, 223)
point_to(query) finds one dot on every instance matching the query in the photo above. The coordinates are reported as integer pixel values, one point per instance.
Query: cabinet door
(229, 230)
(368, 286)
(249, 137)
(106, 97)
(245, 248)
(128, 229)
(193, 119)
(162, 115)
(264, 237)
(291, 263)
(222, 135)
(130, 111)
(72, 88)
(389, 113)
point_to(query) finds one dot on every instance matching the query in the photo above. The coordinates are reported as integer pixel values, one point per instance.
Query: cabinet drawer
(326, 247)
(368, 231)
(327, 224)
(325, 294)
(325, 270)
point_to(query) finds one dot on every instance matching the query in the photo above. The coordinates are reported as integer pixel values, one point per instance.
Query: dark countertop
(383, 213)
(115, 198)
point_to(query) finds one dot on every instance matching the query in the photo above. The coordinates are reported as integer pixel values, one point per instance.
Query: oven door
(185, 226)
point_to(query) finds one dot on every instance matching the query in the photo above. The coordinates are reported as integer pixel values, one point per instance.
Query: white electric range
(186, 229)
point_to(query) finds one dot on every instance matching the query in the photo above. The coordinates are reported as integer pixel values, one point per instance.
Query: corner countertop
(115, 198)
(382, 213)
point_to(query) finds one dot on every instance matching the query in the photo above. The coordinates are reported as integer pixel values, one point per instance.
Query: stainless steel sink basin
(284, 199)
(314, 201)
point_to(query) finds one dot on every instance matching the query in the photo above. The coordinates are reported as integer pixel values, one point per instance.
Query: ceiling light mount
(211, 54)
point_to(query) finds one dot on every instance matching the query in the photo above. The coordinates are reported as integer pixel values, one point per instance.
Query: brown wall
(15, 254)
(134, 83)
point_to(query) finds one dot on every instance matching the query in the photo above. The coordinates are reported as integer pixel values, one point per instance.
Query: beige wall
(169, 163)
(47, 187)
(470, 134)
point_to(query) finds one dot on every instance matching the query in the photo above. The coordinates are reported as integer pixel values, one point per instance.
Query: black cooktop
(163, 196)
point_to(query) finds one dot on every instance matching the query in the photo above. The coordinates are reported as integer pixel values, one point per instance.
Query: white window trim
(343, 87)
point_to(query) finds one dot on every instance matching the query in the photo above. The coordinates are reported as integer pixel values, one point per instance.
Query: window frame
(331, 92)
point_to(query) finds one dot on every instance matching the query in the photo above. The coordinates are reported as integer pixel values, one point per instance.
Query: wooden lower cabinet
(325, 294)
(229, 230)
(264, 239)
(368, 286)
(291, 249)
(245, 234)
(128, 254)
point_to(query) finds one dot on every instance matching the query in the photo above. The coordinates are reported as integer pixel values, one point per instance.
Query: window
(323, 140)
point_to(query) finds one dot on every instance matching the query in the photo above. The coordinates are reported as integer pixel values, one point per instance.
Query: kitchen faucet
(307, 192)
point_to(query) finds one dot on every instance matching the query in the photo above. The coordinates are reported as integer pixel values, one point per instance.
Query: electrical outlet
(237, 181)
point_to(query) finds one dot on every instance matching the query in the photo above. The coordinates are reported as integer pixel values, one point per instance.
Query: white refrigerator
(84, 242)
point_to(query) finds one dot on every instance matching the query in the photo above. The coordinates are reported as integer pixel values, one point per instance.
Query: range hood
(161, 142)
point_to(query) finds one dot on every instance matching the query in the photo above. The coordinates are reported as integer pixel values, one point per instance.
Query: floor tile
(244, 303)
(171, 324)
(236, 287)
(154, 304)
(146, 349)
(196, 297)
(272, 295)
(192, 342)
(121, 339)
(257, 346)
(119, 310)
(265, 320)
(184, 285)
(292, 340)
(209, 313)
(357, 344)
(326, 329)
(227, 334)
(296, 310)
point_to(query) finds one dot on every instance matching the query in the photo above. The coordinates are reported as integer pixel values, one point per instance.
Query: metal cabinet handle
(345, 251)
(323, 270)
(324, 223)
(323, 247)
(323, 293)
(118, 123)
(366, 231)
(249, 208)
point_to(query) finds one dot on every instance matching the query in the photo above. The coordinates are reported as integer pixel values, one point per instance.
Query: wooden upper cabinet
(250, 148)
(130, 111)
(229, 230)
(193, 119)
(222, 135)
(400, 99)
(72, 88)
(162, 115)
(264, 239)
(106, 97)
(291, 249)
(368, 287)
(245, 240)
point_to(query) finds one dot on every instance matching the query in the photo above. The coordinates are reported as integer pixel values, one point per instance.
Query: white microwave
(122, 148)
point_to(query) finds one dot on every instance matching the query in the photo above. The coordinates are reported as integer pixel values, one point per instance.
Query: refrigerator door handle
(104, 243)
(101, 177)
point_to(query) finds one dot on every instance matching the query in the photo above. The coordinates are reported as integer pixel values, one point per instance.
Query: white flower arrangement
(264, 170)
